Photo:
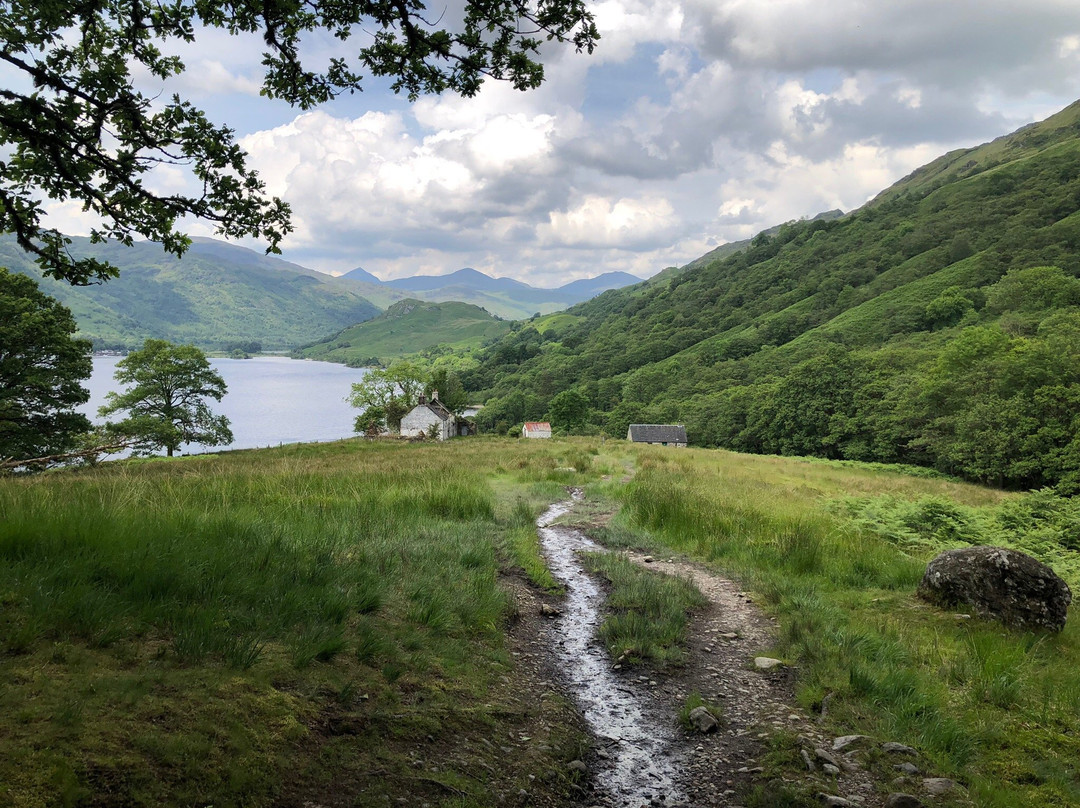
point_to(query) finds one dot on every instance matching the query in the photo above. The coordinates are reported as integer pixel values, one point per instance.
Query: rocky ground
(761, 749)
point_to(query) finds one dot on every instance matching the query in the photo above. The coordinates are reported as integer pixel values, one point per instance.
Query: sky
(694, 123)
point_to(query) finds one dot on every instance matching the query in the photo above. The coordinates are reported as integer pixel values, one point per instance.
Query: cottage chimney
(423, 399)
(434, 395)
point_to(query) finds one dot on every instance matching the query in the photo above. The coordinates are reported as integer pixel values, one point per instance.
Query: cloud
(695, 122)
(624, 224)
(996, 43)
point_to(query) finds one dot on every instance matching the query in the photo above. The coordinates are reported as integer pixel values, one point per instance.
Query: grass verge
(647, 612)
(996, 709)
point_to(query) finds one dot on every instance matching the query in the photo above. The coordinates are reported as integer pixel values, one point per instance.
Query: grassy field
(317, 623)
(836, 552)
(332, 623)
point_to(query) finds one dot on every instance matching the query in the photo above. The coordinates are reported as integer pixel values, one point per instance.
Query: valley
(567, 619)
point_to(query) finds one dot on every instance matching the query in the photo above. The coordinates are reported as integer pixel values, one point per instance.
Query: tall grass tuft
(649, 610)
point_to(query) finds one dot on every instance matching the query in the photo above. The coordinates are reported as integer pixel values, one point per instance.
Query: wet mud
(639, 749)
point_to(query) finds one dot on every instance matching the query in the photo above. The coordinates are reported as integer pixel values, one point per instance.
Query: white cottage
(419, 420)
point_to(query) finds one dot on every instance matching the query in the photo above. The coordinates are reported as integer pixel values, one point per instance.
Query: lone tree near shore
(166, 403)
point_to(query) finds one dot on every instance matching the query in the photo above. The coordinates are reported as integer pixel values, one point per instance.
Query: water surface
(642, 766)
(271, 399)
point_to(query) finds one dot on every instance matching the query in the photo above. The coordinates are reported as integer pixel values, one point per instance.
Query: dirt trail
(638, 766)
(717, 769)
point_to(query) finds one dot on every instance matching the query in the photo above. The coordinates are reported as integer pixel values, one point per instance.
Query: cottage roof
(536, 426)
(439, 409)
(658, 433)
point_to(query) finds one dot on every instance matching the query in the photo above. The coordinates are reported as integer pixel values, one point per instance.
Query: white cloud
(625, 24)
(695, 121)
(599, 222)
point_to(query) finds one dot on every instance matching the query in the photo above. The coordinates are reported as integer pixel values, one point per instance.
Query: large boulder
(1006, 585)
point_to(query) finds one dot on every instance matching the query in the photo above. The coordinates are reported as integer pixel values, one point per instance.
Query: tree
(166, 404)
(79, 128)
(371, 421)
(448, 385)
(568, 409)
(41, 365)
(391, 393)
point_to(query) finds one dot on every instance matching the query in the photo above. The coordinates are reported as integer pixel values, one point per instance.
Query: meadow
(266, 627)
(335, 623)
(836, 551)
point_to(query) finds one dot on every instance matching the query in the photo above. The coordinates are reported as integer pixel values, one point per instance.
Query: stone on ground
(844, 741)
(702, 720)
(897, 748)
(833, 801)
(938, 785)
(898, 800)
(999, 583)
(764, 663)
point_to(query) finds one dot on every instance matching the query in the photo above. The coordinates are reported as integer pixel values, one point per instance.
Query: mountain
(587, 288)
(216, 295)
(407, 327)
(467, 277)
(938, 325)
(504, 297)
(219, 294)
(732, 247)
(362, 275)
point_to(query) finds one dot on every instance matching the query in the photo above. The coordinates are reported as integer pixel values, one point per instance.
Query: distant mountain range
(469, 283)
(220, 294)
(214, 296)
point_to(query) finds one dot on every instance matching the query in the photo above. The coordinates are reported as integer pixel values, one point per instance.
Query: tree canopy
(79, 128)
(166, 403)
(41, 365)
(386, 394)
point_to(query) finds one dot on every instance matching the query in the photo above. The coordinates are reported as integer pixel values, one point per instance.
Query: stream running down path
(641, 765)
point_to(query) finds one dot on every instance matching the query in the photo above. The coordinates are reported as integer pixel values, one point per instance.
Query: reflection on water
(271, 399)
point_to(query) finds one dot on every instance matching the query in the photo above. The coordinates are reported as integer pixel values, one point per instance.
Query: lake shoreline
(272, 399)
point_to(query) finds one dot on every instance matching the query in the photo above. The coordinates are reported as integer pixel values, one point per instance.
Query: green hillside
(215, 295)
(501, 304)
(408, 327)
(938, 325)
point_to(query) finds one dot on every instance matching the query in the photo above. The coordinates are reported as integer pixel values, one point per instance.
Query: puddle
(640, 767)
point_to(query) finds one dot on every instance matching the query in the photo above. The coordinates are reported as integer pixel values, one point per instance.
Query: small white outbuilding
(536, 429)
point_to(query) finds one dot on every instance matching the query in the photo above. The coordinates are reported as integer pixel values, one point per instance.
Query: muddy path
(641, 757)
(644, 756)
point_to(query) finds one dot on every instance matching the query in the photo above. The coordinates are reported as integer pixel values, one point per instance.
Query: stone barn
(659, 434)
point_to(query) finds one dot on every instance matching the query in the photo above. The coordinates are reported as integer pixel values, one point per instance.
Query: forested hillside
(937, 325)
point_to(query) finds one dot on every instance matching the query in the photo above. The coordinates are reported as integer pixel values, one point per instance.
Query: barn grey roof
(657, 433)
